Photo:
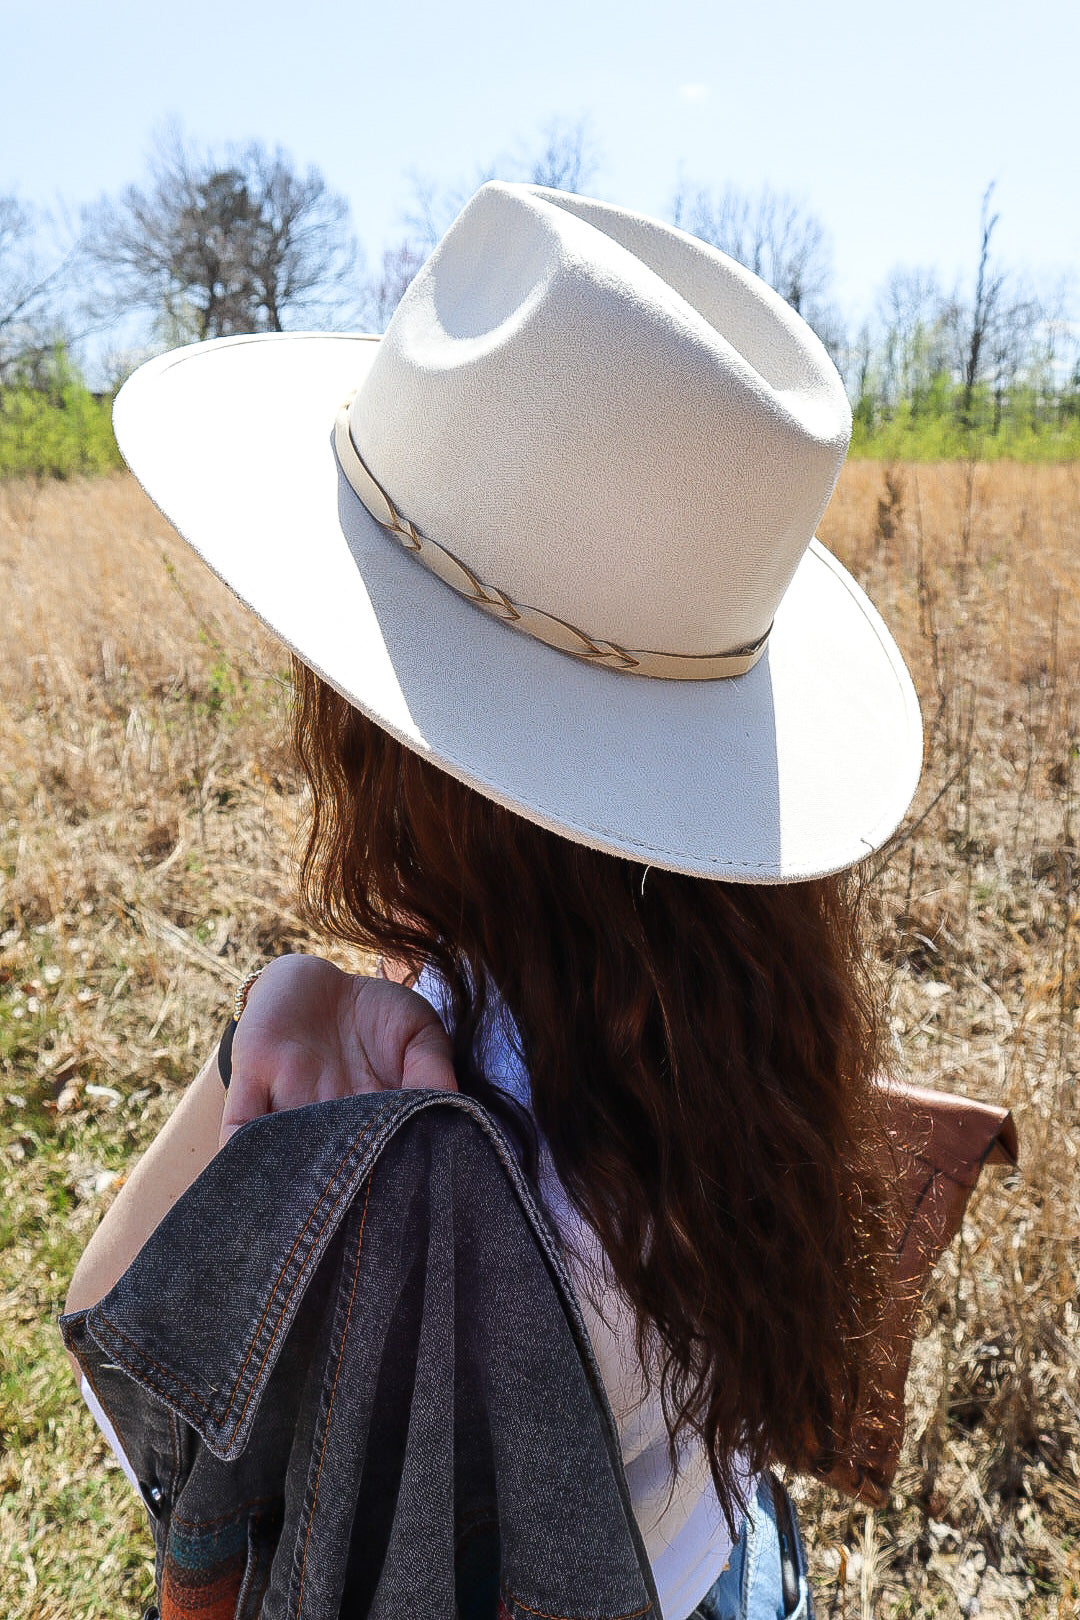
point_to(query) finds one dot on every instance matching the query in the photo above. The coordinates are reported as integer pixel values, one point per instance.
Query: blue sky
(887, 122)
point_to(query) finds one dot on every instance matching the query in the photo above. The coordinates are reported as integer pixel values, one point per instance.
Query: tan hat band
(542, 626)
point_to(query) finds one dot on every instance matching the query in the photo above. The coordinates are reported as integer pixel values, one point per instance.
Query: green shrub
(52, 426)
(940, 425)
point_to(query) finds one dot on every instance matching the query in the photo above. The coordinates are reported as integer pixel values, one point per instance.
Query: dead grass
(147, 822)
(978, 571)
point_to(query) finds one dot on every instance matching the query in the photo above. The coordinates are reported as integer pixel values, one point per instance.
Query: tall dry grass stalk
(147, 823)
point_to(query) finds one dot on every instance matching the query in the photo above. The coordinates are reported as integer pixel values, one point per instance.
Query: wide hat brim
(799, 768)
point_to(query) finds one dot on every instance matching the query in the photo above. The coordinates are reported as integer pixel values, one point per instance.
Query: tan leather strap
(542, 626)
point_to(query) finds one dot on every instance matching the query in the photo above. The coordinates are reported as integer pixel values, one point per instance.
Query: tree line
(214, 243)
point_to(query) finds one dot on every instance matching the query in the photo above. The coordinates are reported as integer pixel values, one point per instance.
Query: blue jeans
(766, 1575)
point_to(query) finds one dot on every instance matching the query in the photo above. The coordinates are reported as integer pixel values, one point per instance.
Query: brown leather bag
(938, 1143)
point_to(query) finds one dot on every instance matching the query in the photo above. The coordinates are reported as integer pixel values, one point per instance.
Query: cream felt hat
(554, 531)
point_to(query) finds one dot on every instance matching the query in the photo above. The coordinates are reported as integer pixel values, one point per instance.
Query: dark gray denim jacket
(350, 1372)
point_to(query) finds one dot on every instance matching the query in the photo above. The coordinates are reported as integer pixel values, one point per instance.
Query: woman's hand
(310, 1032)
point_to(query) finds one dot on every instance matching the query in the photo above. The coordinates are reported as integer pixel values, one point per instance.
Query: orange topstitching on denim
(255, 1336)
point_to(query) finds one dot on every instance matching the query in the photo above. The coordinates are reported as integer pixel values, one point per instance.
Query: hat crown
(606, 419)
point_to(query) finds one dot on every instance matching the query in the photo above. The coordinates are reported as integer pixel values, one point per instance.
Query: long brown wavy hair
(700, 1056)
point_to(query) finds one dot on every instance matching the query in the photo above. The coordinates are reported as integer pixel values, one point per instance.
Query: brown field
(147, 837)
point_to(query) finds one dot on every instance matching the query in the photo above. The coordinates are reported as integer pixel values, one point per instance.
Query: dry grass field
(148, 812)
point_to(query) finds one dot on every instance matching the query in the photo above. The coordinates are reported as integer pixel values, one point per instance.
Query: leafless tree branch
(219, 244)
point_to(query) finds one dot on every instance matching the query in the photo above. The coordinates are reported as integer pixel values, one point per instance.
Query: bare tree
(1004, 340)
(858, 371)
(1019, 350)
(774, 236)
(566, 159)
(28, 286)
(984, 309)
(216, 245)
(916, 318)
(383, 294)
(767, 232)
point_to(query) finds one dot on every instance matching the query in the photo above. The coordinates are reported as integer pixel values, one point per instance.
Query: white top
(681, 1523)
